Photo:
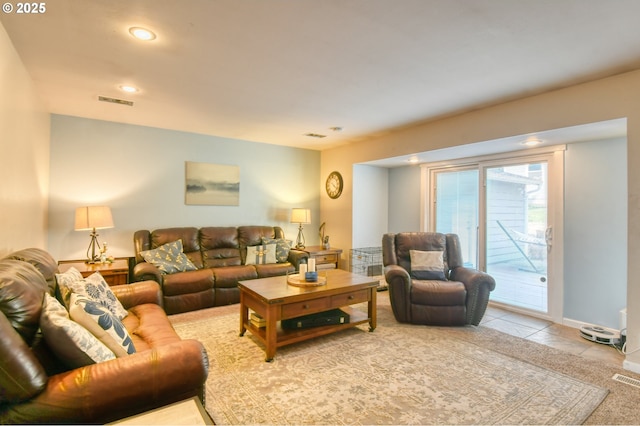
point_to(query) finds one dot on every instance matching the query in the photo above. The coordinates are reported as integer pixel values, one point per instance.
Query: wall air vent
(315, 135)
(115, 101)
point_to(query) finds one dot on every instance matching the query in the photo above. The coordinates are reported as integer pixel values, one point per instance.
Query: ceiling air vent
(115, 101)
(315, 135)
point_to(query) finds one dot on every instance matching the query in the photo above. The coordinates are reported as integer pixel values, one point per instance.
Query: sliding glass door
(516, 223)
(456, 204)
(500, 209)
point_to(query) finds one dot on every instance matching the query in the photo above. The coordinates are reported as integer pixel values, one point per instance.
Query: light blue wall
(404, 199)
(595, 226)
(370, 205)
(595, 261)
(140, 173)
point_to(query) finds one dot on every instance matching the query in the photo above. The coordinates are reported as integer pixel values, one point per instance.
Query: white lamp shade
(301, 216)
(90, 217)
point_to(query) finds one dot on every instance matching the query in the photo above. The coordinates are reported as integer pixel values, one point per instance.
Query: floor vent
(627, 380)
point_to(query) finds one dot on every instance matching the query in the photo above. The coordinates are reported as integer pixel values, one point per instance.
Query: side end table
(114, 273)
(325, 258)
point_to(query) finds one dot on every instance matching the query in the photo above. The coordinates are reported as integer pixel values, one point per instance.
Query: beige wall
(615, 97)
(24, 156)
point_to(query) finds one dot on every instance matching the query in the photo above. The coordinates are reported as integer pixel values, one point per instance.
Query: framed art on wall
(212, 184)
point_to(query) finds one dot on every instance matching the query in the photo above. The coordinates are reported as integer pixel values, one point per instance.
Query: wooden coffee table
(275, 300)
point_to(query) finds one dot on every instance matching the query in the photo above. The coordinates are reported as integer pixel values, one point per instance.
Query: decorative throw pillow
(68, 340)
(101, 323)
(282, 248)
(93, 287)
(67, 281)
(427, 265)
(259, 255)
(169, 258)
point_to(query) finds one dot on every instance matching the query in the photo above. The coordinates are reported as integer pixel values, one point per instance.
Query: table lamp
(92, 218)
(300, 216)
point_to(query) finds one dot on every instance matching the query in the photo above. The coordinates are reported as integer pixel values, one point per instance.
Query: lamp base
(92, 256)
(300, 239)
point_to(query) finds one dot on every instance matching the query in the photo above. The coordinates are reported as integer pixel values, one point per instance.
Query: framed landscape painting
(212, 184)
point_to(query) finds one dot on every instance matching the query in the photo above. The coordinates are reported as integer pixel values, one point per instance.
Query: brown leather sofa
(219, 254)
(459, 297)
(38, 387)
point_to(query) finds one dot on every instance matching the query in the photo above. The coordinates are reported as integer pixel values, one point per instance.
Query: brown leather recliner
(36, 386)
(458, 297)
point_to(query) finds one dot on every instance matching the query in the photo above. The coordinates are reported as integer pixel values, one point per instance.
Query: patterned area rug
(399, 374)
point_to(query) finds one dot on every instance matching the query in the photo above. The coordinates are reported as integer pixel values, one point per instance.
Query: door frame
(554, 156)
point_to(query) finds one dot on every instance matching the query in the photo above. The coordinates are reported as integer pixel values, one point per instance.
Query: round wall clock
(334, 185)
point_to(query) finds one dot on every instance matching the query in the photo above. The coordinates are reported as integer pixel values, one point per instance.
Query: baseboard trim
(631, 366)
(578, 324)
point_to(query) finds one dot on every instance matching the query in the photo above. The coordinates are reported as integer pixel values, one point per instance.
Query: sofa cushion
(283, 247)
(101, 323)
(274, 269)
(70, 342)
(189, 236)
(260, 255)
(253, 235)
(438, 293)
(43, 262)
(187, 282)
(229, 276)
(169, 258)
(21, 375)
(93, 287)
(220, 246)
(149, 327)
(427, 265)
(22, 290)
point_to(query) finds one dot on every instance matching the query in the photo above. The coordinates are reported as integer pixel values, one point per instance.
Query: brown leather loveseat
(219, 255)
(37, 385)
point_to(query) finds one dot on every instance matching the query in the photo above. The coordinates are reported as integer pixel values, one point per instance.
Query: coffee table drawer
(349, 298)
(306, 307)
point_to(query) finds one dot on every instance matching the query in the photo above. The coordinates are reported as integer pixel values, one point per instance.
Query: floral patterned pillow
(69, 341)
(101, 323)
(282, 248)
(169, 258)
(66, 282)
(93, 287)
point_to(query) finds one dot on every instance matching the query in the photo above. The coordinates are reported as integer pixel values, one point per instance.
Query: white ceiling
(273, 70)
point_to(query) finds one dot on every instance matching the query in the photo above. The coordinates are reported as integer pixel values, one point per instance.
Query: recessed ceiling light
(413, 159)
(532, 142)
(129, 89)
(142, 33)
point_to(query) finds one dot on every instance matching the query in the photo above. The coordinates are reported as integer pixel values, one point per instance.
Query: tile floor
(546, 332)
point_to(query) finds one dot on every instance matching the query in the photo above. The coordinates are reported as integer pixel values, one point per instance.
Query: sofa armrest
(472, 278)
(399, 283)
(478, 284)
(118, 388)
(146, 271)
(138, 293)
(295, 256)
